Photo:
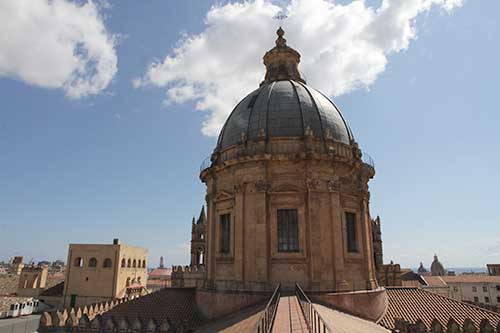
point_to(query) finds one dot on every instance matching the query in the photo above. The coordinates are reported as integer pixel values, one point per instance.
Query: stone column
(338, 242)
(371, 281)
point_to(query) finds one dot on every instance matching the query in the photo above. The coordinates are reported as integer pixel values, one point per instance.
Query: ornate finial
(280, 32)
(280, 42)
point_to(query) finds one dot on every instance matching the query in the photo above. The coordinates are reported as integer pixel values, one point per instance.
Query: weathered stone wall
(215, 304)
(322, 187)
(370, 304)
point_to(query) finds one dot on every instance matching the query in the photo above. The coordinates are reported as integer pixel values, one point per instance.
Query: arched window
(78, 262)
(134, 263)
(139, 280)
(124, 263)
(200, 260)
(144, 264)
(93, 262)
(128, 282)
(129, 263)
(107, 263)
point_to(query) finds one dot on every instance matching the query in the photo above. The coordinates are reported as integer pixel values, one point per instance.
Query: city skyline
(117, 154)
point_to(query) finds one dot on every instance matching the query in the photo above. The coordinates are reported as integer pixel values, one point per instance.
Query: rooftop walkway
(289, 317)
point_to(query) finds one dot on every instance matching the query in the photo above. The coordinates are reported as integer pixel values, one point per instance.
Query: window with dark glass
(350, 219)
(93, 262)
(288, 230)
(225, 228)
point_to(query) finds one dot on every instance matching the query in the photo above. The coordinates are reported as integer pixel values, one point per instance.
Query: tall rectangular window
(288, 230)
(225, 228)
(352, 244)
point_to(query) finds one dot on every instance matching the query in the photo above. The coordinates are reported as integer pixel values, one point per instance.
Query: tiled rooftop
(56, 290)
(472, 278)
(175, 304)
(435, 281)
(411, 304)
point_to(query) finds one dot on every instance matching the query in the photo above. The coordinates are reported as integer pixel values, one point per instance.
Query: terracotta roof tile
(178, 305)
(435, 281)
(411, 304)
(472, 279)
(160, 272)
(56, 290)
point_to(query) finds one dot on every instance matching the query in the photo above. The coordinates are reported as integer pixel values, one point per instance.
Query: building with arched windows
(101, 272)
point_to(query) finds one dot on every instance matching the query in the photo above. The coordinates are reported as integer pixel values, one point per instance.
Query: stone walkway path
(289, 317)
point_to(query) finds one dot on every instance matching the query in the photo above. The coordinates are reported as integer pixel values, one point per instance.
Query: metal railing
(315, 323)
(266, 320)
(368, 160)
(205, 164)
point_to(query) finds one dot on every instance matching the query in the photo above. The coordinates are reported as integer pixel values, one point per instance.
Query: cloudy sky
(108, 108)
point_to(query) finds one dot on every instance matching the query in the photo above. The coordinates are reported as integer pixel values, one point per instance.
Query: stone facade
(32, 281)
(321, 187)
(102, 272)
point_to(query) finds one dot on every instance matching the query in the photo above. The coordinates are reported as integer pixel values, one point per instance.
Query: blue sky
(123, 162)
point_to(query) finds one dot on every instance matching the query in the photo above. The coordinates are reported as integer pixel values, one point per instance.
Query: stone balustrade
(452, 326)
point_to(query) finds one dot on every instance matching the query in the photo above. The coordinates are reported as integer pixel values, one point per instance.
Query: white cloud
(56, 44)
(343, 47)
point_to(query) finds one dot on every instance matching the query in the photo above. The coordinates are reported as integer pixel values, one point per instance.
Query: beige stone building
(100, 272)
(32, 281)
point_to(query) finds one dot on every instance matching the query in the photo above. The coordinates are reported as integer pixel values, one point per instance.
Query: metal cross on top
(280, 17)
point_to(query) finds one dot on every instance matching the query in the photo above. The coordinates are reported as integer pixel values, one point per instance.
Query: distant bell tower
(161, 262)
(198, 239)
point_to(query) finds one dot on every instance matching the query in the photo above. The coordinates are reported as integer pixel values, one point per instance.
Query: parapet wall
(68, 319)
(188, 276)
(369, 304)
(214, 304)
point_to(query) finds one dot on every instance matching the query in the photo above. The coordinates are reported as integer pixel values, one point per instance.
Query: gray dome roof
(285, 108)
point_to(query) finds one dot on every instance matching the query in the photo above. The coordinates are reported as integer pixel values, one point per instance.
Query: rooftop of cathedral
(412, 304)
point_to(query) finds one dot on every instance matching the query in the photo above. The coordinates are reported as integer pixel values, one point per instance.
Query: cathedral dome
(437, 268)
(283, 106)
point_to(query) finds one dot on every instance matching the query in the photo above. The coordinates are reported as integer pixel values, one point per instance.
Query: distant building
(478, 289)
(493, 269)
(437, 268)
(198, 234)
(193, 275)
(102, 272)
(17, 265)
(159, 278)
(390, 275)
(421, 269)
(32, 281)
